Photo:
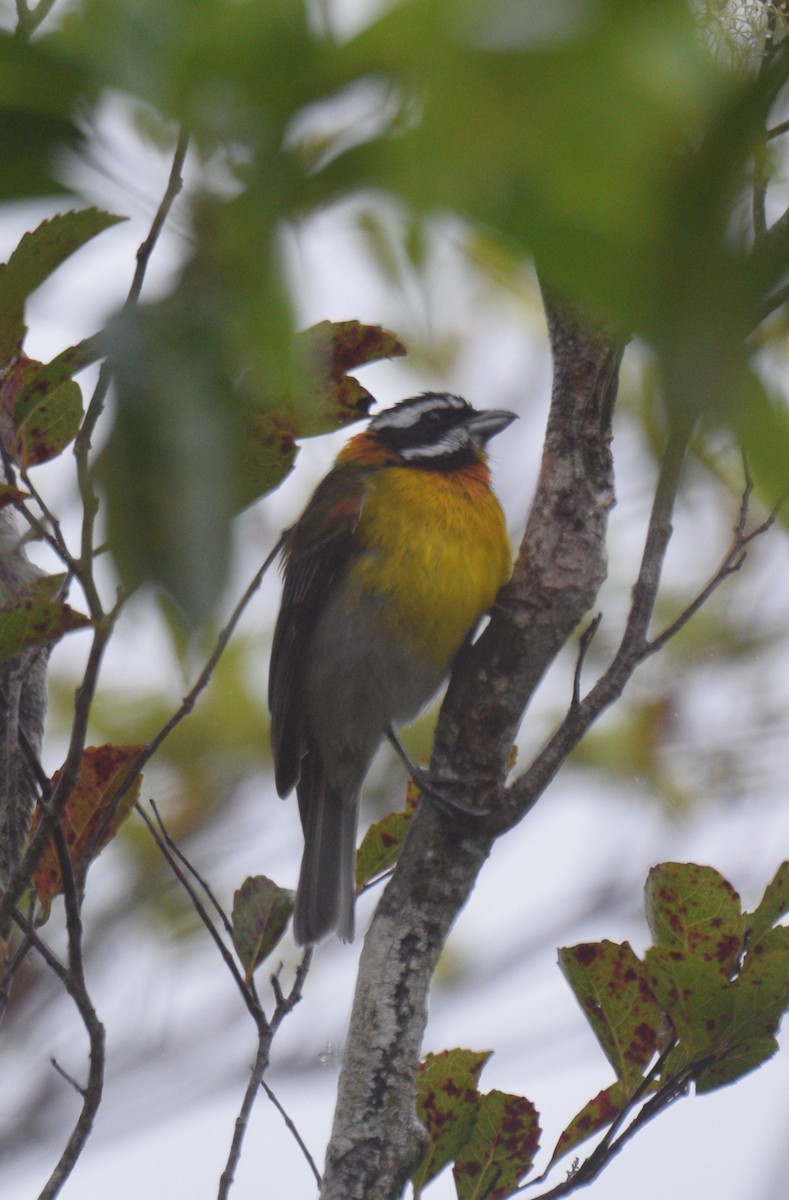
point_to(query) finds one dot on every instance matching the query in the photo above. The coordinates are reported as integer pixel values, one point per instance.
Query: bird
(399, 553)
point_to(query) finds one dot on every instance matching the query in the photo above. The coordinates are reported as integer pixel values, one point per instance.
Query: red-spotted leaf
(598, 1114)
(501, 1149)
(47, 409)
(339, 346)
(381, 843)
(610, 984)
(261, 912)
(327, 398)
(760, 997)
(32, 616)
(773, 905)
(446, 1095)
(38, 254)
(92, 815)
(695, 997)
(694, 910)
(46, 420)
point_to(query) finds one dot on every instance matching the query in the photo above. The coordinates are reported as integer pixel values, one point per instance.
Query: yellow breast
(436, 552)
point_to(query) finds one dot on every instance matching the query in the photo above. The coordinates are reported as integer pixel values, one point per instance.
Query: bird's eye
(433, 418)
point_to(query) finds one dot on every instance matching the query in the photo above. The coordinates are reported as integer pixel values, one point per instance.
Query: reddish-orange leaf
(102, 771)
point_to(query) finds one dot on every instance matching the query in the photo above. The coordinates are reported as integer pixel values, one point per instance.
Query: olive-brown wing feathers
(317, 551)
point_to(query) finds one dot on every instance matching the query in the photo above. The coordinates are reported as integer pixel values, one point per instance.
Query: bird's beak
(485, 425)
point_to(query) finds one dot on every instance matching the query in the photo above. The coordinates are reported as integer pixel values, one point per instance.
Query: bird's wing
(318, 549)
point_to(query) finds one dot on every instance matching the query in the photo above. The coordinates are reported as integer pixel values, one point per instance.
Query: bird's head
(437, 430)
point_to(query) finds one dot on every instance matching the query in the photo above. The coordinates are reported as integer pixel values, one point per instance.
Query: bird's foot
(445, 794)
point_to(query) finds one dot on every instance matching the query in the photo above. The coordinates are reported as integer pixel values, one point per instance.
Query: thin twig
(777, 130)
(583, 646)
(284, 1005)
(144, 251)
(188, 866)
(74, 984)
(587, 1171)
(200, 909)
(78, 1088)
(294, 1131)
(731, 563)
(242, 1120)
(774, 301)
(529, 786)
(174, 185)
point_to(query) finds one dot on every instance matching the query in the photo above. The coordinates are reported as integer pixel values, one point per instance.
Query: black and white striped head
(438, 430)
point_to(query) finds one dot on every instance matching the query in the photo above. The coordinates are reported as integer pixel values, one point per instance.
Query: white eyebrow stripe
(456, 439)
(404, 416)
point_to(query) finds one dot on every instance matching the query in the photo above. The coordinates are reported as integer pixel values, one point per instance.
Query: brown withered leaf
(102, 770)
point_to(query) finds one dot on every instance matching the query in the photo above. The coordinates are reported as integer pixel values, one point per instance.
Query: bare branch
(242, 1120)
(183, 878)
(290, 1125)
(285, 1004)
(632, 650)
(188, 866)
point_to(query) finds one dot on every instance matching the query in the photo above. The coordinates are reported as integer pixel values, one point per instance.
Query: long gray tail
(325, 895)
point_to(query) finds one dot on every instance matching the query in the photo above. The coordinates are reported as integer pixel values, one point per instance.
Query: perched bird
(399, 552)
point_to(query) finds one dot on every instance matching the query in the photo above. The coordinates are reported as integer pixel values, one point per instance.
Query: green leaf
(759, 998)
(325, 398)
(695, 996)
(380, 846)
(743, 1057)
(38, 254)
(48, 410)
(610, 984)
(773, 904)
(598, 1114)
(695, 911)
(47, 420)
(501, 1149)
(446, 1093)
(38, 91)
(33, 617)
(168, 469)
(760, 422)
(261, 911)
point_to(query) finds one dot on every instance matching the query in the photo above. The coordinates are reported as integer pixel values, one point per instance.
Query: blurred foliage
(605, 140)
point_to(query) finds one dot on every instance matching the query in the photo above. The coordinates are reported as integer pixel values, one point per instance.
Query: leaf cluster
(701, 1007)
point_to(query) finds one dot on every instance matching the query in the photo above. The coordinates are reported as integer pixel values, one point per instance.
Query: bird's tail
(325, 895)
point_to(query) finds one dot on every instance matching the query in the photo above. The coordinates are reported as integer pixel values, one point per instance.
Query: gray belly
(359, 683)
